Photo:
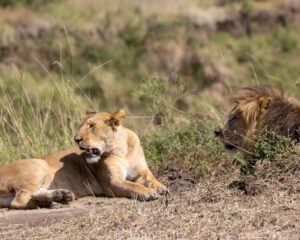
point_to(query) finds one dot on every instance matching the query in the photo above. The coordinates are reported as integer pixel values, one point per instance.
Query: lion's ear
(264, 103)
(116, 118)
(89, 113)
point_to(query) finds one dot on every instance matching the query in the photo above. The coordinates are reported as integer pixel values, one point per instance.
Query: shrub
(31, 3)
(160, 97)
(276, 154)
(288, 42)
(270, 144)
(9, 3)
(243, 52)
(190, 145)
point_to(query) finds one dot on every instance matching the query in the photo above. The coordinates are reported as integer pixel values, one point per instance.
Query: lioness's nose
(78, 139)
(217, 131)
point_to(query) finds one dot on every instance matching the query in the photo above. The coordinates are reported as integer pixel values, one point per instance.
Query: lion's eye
(231, 120)
(91, 125)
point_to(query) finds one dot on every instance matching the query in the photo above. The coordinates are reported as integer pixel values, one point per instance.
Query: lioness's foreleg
(58, 195)
(124, 188)
(115, 184)
(149, 180)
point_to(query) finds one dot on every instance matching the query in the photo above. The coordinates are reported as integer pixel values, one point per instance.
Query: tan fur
(120, 171)
(256, 109)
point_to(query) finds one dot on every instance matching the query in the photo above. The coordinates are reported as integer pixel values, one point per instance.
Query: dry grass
(208, 210)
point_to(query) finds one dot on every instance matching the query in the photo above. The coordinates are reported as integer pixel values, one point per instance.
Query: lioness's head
(251, 105)
(98, 133)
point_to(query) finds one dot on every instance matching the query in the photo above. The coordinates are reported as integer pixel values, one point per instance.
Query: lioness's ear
(264, 103)
(119, 115)
(89, 113)
(116, 118)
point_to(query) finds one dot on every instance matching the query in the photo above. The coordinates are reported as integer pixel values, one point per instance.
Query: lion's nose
(78, 139)
(217, 131)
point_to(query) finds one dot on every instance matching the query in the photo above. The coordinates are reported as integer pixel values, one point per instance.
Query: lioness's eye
(91, 124)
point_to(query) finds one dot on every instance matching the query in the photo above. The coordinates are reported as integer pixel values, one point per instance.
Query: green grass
(189, 145)
(150, 62)
(262, 59)
(33, 126)
(9, 3)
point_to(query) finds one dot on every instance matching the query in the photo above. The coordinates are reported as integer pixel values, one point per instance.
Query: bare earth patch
(218, 207)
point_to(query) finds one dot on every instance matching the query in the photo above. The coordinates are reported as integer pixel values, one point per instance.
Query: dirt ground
(217, 207)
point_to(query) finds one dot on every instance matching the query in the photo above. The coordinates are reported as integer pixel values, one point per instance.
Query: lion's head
(254, 108)
(99, 133)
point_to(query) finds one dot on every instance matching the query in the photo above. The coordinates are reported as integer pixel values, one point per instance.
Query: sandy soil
(217, 207)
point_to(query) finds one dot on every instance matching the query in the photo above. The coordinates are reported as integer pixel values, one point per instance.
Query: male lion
(109, 160)
(256, 109)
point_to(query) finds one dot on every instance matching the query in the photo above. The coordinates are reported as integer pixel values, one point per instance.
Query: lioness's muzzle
(93, 152)
(96, 151)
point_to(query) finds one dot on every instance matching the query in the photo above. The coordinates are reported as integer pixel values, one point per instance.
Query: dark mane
(268, 107)
(251, 93)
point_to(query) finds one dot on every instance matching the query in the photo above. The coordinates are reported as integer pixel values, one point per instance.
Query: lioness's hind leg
(5, 201)
(58, 195)
(22, 200)
(147, 179)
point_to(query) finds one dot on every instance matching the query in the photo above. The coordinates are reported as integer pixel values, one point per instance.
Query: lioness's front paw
(63, 196)
(147, 196)
(162, 190)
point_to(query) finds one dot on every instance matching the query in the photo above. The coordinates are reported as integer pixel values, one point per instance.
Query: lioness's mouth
(93, 152)
(82, 148)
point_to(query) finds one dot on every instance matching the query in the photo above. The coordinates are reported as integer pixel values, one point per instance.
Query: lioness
(256, 109)
(109, 160)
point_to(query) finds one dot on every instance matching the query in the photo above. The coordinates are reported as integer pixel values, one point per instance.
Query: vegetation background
(171, 64)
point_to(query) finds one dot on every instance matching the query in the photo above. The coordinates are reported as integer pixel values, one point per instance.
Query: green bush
(285, 37)
(244, 52)
(276, 154)
(270, 144)
(95, 54)
(9, 3)
(246, 166)
(33, 3)
(160, 96)
(190, 145)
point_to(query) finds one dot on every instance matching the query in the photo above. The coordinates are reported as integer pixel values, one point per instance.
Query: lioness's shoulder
(132, 137)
